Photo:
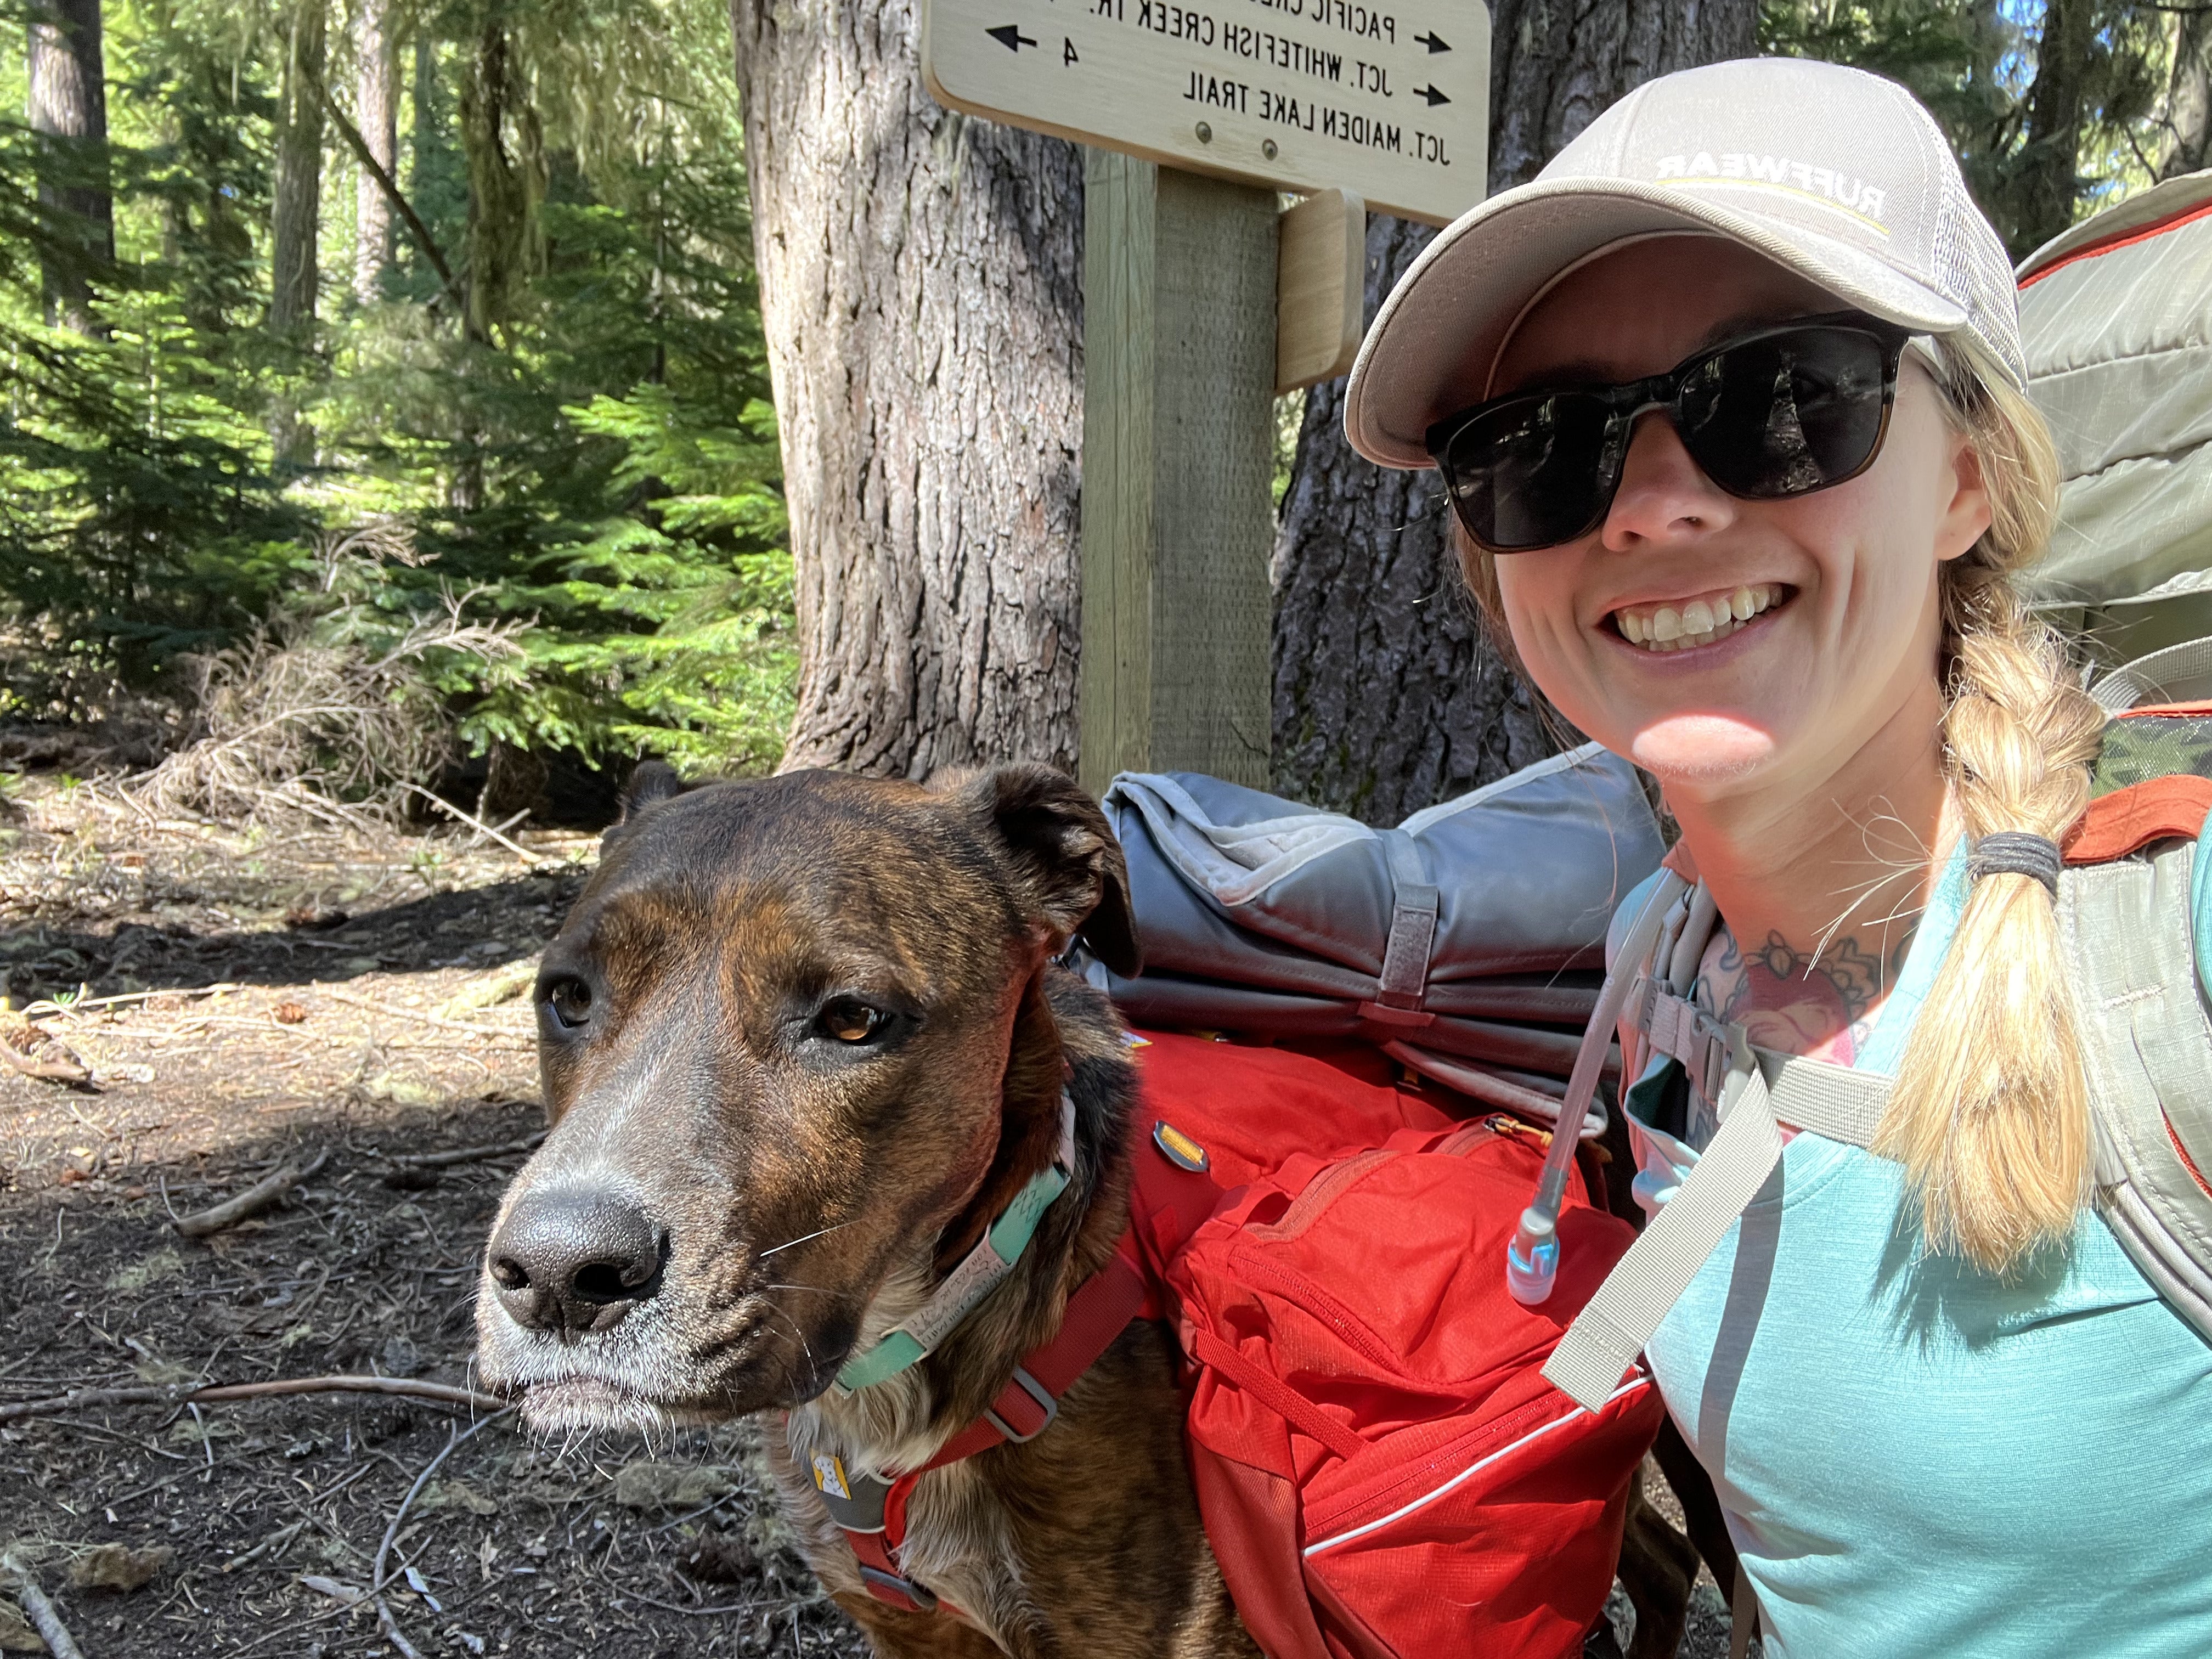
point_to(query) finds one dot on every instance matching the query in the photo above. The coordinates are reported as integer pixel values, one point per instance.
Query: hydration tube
(1532, 1260)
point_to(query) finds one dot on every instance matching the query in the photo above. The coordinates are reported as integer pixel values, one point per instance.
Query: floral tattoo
(1788, 1000)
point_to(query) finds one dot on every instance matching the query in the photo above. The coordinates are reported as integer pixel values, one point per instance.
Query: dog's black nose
(571, 1262)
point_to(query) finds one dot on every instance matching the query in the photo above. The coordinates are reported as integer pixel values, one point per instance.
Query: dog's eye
(850, 1020)
(569, 1002)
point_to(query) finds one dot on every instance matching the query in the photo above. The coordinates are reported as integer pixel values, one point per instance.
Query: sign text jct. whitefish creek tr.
(1389, 101)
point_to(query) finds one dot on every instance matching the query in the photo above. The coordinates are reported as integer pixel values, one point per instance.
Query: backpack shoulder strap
(2127, 930)
(2126, 924)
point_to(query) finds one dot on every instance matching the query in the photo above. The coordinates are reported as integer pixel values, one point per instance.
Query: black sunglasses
(1782, 411)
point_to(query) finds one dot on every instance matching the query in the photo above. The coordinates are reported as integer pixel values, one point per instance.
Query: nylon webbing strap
(1613, 1326)
(1833, 1102)
(1405, 979)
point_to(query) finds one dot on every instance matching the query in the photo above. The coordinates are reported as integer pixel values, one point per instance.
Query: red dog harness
(871, 1511)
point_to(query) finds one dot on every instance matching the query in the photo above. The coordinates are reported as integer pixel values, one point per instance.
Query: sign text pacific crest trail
(1387, 101)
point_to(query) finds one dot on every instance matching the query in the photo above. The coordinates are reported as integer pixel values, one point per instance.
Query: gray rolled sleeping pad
(1468, 942)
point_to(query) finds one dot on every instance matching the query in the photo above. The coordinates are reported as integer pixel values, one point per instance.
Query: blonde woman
(1729, 406)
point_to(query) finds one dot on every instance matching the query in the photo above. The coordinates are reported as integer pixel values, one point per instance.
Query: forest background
(388, 385)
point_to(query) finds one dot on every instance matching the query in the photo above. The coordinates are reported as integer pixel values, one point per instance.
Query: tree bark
(376, 112)
(2189, 99)
(504, 143)
(2049, 173)
(67, 79)
(295, 219)
(1387, 696)
(921, 279)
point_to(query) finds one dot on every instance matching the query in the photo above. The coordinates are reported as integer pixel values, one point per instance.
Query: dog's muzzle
(572, 1263)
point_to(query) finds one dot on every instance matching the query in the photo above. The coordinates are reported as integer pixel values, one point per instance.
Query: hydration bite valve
(1532, 1260)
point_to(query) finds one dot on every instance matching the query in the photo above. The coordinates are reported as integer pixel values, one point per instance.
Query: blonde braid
(1990, 1112)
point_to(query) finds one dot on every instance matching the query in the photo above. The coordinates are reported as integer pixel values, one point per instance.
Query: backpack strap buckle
(1681, 1030)
(1021, 1396)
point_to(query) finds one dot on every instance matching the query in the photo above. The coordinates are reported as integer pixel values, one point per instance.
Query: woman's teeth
(1701, 621)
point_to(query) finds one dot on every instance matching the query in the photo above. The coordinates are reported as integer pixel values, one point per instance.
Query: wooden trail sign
(1386, 100)
(1202, 299)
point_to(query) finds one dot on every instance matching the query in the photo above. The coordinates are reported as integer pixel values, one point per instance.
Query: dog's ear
(1063, 845)
(650, 781)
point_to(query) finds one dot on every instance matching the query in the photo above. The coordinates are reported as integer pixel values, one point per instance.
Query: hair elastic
(2016, 853)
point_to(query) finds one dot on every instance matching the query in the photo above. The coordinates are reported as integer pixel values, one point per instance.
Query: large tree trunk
(504, 143)
(920, 278)
(68, 106)
(1387, 696)
(2049, 171)
(376, 110)
(2187, 115)
(295, 219)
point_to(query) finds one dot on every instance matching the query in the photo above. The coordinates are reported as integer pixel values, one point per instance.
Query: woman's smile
(1670, 627)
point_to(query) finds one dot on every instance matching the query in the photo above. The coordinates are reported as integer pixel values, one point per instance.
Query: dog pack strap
(1413, 906)
(1097, 1314)
(1611, 1330)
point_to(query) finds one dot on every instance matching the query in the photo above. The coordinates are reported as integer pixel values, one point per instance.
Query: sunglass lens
(1531, 472)
(1786, 415)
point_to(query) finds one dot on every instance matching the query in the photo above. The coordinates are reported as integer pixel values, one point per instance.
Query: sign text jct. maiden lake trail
(1389, 102)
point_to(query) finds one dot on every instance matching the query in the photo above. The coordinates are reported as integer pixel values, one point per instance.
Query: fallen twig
(477, 824)
(45, 1071)
(275, 1541)
(178, 1394)
(374, 1007)
(260, 1196)
(377, 1578)
(44, 1619)
(464, 1154)
(45, 1007)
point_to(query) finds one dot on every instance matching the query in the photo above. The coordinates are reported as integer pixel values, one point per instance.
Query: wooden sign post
(1203, 301)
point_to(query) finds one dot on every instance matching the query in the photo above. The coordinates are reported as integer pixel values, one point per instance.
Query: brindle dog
(803, 1039)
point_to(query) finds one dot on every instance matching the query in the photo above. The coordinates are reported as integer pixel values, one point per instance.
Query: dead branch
(44, 1619)
(179, 1393)
(376, 1008)
(45, 1071)
(476, 823)
(464, 1154)
(257, 1197)
(377, 1578)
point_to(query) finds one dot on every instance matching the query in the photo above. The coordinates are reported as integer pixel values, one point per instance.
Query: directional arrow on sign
(1431, 42)
(1010, 37)
(1429, 93)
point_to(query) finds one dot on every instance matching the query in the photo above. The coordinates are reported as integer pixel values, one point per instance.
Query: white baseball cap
(1836, 174)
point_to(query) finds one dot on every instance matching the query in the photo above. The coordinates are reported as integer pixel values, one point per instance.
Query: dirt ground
(242, 998)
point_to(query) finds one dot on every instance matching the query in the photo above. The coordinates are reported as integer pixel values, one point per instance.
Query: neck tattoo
(1788, 1001)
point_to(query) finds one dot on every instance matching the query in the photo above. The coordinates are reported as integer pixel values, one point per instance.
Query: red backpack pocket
(1381, 1467)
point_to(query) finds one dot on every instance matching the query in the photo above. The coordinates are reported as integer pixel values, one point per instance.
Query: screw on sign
(1389, 101)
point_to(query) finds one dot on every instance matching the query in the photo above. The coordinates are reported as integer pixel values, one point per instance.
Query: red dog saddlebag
(1381, 1467)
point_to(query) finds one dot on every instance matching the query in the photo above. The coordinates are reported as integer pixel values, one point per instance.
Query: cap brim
(1451, 310)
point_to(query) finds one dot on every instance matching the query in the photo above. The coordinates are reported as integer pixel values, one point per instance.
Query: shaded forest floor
(290, 992)
(245, 997)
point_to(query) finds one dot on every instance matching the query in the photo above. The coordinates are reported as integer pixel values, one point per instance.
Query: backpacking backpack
(2128, 899)
(2116, 316)
(1382, 1468)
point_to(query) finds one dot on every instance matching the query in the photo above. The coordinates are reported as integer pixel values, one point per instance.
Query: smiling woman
(1743, 467)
